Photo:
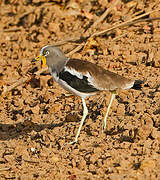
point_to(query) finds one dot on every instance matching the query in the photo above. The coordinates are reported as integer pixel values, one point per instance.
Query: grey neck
(59, 66)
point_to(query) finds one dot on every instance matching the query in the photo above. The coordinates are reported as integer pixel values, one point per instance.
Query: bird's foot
(68, 94)
(103, 126)
(72, 142)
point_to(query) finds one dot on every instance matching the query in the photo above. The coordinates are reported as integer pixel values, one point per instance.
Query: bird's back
(100, 78)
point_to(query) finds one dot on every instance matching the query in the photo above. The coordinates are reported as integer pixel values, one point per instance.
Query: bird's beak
(42, 58)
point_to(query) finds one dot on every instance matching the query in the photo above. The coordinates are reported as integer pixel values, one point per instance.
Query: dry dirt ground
(37, 117)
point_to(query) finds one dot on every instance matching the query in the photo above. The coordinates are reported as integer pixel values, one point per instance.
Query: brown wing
(102, 79)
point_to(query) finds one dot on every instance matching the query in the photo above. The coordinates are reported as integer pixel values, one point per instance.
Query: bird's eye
(46, 53)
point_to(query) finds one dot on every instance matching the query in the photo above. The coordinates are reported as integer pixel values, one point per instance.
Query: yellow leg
(109, 106)
(85, 113)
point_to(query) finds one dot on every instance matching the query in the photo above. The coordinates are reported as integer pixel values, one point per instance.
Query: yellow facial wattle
(43, 59)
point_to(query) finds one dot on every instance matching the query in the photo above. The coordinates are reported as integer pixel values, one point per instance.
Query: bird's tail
(137, 85)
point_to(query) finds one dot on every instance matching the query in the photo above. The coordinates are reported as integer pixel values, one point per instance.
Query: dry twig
(105, 14)
(5, 169)
(16, 84)
(129, 22)
(95, 24)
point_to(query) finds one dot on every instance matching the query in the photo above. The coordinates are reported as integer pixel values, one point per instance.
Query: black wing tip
(138, 84)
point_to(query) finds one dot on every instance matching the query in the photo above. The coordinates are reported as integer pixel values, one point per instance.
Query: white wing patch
(80, 76)
(91, 80)
(68, 87)
(74, 72)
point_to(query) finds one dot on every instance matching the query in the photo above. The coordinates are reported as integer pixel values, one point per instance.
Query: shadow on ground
(11, 131)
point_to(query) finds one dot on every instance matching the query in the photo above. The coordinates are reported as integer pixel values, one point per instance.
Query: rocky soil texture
(37, 117)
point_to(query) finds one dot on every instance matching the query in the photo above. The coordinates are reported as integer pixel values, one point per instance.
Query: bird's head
(51, 56)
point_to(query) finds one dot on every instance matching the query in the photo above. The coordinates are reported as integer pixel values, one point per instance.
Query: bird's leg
(109, 106)
(85, 113)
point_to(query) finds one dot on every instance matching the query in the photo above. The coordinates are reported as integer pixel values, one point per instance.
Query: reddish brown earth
(37, 118)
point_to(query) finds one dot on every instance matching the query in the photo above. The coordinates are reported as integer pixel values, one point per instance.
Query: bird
(84, 79)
